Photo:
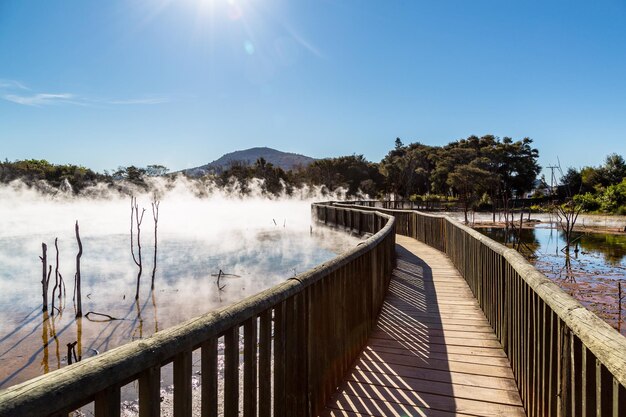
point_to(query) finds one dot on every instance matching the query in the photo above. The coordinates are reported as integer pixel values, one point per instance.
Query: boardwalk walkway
(433, 352)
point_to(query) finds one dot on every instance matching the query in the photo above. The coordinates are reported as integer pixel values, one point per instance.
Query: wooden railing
(299, 338)
(566, 360)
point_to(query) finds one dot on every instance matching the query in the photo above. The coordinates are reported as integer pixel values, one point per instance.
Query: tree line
(475, 173)
(465, 169)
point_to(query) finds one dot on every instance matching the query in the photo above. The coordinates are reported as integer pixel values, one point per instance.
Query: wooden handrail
(306, 331)
(566, 360)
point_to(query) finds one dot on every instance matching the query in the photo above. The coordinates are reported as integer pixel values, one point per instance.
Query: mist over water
(201, 230)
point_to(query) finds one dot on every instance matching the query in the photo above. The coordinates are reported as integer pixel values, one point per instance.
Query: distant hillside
(284, 160)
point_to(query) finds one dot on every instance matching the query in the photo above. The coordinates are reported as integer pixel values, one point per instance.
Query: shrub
(588, 201)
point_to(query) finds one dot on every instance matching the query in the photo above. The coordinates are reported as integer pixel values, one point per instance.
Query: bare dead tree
(62, 289)
(134, 209)
(56, 276)
(155, 217)
(44, 276)
(219, 275)
(48, 277)
(133, 203)
(77, 293)
(567, 215)
(71, 353)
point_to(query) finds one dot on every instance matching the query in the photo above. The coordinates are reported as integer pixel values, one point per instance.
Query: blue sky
(109, 83)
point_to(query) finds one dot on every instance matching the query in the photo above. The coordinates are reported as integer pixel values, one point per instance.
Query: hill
(284, 160)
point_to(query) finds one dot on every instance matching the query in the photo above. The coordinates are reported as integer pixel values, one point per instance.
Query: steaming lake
(258, 243)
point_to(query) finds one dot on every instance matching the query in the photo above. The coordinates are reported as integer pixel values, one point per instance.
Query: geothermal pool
(257, 242)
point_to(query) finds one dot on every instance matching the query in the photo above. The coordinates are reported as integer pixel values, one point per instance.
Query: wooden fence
(567, 362)
(298, 338)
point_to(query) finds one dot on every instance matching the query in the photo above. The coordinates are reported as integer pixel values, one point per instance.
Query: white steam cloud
(201, 229)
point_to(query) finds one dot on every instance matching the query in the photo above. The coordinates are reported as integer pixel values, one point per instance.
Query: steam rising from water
(201, 230)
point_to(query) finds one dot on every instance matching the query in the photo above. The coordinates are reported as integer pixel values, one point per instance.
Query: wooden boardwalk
(433, 352)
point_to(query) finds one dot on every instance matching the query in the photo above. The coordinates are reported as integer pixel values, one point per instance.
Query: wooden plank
(182, 384)
(265, 364)
(107, 403)
(404, 333)
(401, 357)
(150, 392)
(447, 341)
(231, 372)
(279, 360)
(442, 364)
(448, 402)
(462, 386)
(250, 368)
(208, 393)
(615, 399)
(420, 351)
(380, 408)
(416, 371)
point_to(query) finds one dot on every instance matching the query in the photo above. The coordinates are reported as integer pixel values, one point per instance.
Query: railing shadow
(404, 369)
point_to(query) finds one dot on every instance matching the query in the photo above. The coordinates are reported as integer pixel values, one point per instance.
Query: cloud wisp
(40, 99)
(12, 84)
(18, 93)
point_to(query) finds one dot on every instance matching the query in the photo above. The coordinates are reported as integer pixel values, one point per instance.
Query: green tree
(470, 181)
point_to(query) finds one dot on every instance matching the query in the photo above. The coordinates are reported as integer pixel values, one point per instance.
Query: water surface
(591, 273)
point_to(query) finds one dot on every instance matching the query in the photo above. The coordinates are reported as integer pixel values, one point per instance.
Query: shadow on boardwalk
(433, 352)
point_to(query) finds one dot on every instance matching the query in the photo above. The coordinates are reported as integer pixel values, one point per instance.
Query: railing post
(231, 372)
(108, 403)
(208, 352)
(150, 392)
(265, 364)
(182, 384)
(250, 368)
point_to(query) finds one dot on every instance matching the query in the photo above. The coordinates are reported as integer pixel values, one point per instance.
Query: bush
(588, 201)
(613, 197)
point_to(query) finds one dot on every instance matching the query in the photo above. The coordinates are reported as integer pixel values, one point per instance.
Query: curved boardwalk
(433, 352)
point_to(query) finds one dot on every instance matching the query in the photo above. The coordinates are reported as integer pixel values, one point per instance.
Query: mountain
(284, 160)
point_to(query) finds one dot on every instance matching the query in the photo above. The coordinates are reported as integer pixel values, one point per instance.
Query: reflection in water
(591, 275)
(56, 339)
(138, 332)
(79, 337)
(154, 308)
(44, 339)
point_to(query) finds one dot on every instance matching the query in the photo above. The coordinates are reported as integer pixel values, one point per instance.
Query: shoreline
(590, 223)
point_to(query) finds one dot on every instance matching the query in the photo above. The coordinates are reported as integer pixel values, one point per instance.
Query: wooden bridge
(433, 351)
(456, 324)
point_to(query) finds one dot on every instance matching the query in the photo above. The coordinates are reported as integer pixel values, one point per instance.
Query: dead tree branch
(134, 209)
(56, 276)
(155, 217)
(108, 317)
(77, 293)
(44, 279)
(71, 353)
